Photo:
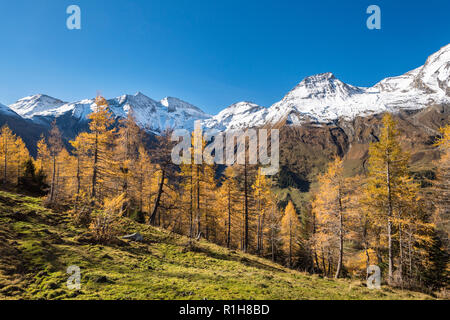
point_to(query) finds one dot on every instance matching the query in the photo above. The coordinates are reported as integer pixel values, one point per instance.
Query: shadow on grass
(232, 257)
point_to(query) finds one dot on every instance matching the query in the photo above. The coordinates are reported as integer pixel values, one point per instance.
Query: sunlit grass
(37, 245)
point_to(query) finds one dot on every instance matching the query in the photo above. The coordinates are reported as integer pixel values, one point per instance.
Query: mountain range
(153, 116)
(321, 98)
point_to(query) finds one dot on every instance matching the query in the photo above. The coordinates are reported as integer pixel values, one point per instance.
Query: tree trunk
(323, 262)
(206, 225)
(199, 231)
(273, 245)
(5, 160)
(400, 240)
(245, 246)
(18, 168)
(367, 259)
(229, 219)
(261, 246)
(94, 173)
(158, 199)
(272, 234)
(329, 262)
(78, 178)
(389, 226)
(290, 244)
(52, 187)
(410, 254)
(316, 258)
(341, 239)
(312, 236)
(258, 226)
(141, 190)
(191, 208)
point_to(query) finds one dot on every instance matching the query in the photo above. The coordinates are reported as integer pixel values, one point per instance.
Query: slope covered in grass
(37, 245)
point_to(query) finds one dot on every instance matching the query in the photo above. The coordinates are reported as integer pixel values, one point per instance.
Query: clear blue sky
(207, 52)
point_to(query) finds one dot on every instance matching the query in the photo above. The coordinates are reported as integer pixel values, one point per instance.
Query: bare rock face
(305, 150)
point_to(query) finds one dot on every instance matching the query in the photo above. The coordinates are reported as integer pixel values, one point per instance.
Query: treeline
(383, 218)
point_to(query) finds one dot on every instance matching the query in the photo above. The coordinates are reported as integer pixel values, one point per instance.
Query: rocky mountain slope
(305, 150)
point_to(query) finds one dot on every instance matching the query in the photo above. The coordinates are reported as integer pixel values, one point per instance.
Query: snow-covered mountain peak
(320, 86)
(149, 114)
(434, 76)
(242, 107)
(174, 104)
(239, 115)
(157, 116)
(139, 94)
(29, 106)
(439, 57)
(324, 98)
(137, 101)
(319, 78)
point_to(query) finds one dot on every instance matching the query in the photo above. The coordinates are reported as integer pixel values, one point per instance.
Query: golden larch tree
(290, 230)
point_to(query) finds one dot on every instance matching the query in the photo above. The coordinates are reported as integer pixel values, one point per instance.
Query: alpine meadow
(94, 207)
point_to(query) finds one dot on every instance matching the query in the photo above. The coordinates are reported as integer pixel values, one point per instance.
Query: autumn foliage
(350, 223)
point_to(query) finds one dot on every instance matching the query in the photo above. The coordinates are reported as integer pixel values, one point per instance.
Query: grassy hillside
(37, 245)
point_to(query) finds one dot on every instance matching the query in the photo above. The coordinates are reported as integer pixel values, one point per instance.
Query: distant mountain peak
(40, 97)
(175, 104)
(324, 98)
(325, 76)
(149, 114)
(322, 85)
(243, 106)
(31, 105)
(434, 76)
(237, 115)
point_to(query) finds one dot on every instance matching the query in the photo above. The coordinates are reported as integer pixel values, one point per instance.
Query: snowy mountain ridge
(324, 98)
(319, 98)
(154, 116)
